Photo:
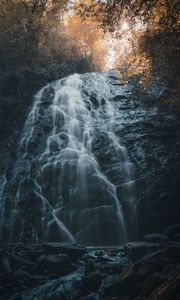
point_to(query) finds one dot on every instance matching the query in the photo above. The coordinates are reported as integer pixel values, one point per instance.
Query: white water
(2, 187)
(79, 203)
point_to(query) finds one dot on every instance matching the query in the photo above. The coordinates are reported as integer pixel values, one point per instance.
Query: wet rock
(46, 123)
(56, 233)
(30, 203)
(34, 254)
(59, 264)
(94, 101)
(92, 296)
(155, 238)
(173, 249)
(6, 277)
(89, 273)
(127, 283)
(91, 283)
(22, 274)
(148, 128)
(48, 94)
(58, 117)
(101, 148)
(74, 251)
(152, 263)
(64, 139)
(171, 230)
(109, 280)
(54, 146)
(151, 283)
(175, 237)
(120, 97)
(33, 143)
(139, 249)
(170, 289)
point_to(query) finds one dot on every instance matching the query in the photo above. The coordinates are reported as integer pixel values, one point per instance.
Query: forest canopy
(34, 49)
(59, 37)
(151, 31)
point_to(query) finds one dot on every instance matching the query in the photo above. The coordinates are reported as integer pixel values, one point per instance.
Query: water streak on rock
(62, 192)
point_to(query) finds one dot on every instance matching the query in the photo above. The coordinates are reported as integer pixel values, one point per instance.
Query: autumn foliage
(152, 36)
(58, 37)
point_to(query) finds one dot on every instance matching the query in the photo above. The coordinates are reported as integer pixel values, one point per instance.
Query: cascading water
(61, 187)
(2, 186)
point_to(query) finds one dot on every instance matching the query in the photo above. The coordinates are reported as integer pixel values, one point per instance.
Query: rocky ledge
(149, 269)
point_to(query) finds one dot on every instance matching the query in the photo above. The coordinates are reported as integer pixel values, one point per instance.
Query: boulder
(155, 238)
(139, 249)
(151, 283)
(126, 284)
(74, 251)
(92, 296)
(171, 230)
(168, 290)
(59, 264)
(91, 283)
(48, 94)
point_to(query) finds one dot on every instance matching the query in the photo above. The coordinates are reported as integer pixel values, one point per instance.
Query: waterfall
(61, 183)
(2, 187)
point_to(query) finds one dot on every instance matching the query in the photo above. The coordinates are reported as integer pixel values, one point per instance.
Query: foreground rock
(138, 271)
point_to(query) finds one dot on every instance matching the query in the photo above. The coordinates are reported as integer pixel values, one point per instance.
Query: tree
(22, 24)
(154, 44)
(163, 13)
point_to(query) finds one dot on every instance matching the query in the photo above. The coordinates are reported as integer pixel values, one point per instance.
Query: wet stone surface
(140, 270)
(35, 208)
(120, 142)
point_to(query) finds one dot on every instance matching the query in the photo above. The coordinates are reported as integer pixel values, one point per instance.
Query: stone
(92, 296)
(91, 283)
(170, 289)
(173, 249)
(139, 249)
(110, 279)
(54, 146)
(94, 101)
(55, 233)
(48, 94)
(59, 264)
(149, 130)
(175, 237)
(151, 283)
(59, 119)
(126, 284)
(120, 97)
(171, 230)
(64, 139)
(155, 238)
(74, 251)
(30, 202)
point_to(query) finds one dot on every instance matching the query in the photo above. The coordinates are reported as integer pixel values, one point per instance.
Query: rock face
(60, 189)
(97, 163)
